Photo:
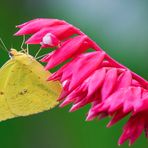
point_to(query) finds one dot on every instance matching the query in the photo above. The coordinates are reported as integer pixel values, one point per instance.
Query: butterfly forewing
(27, 90)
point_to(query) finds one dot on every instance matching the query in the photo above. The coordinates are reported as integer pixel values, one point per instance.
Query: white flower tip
(47, 39)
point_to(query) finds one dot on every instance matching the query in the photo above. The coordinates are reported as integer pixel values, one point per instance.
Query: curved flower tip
(91, 78)
(36, 25)
(50, 40)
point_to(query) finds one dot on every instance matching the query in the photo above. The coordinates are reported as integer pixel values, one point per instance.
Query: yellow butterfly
(24, 89)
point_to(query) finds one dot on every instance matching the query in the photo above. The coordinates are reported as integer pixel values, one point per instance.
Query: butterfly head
(14, 52)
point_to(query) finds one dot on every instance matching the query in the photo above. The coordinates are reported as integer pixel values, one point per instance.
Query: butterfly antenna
(3, 46)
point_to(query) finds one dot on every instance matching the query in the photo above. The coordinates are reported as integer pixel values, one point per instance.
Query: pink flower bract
(92, 77)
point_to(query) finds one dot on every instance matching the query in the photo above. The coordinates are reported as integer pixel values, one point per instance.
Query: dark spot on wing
(1, 93)
(24, 91)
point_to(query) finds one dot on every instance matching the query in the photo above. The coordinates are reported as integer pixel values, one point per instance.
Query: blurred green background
(120, 27)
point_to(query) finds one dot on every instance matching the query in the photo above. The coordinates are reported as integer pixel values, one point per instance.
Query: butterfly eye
(10, 55)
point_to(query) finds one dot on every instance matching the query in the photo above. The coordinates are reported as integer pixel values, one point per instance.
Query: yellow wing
(5, 112)
(27, 90)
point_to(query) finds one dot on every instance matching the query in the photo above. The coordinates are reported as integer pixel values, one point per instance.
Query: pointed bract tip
(73, 108)
(90, 116)
(16, 34)
(63, 104)
(109, 125)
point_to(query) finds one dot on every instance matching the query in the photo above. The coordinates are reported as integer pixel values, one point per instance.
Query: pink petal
(96, 81)
(87, 59)
(63, 73)
(61, 32)
(93, 112)
(24, 24)
(132, 98)
(78, 92)
(34, 26)
(144, 103)
(118, 116)
(109, 83)
(38, 36)
(124, 79)
(132, 130)
(47, 57)
(67, 51)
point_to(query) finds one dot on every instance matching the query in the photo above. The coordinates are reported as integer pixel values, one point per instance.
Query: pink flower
(92, 77)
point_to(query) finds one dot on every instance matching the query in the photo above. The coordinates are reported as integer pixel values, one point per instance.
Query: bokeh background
(120, 27)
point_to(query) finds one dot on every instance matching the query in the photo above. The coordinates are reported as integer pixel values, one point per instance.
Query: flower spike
(95, 78)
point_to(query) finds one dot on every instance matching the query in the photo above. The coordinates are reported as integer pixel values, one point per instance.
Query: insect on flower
(93, 77)
(24, 89)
